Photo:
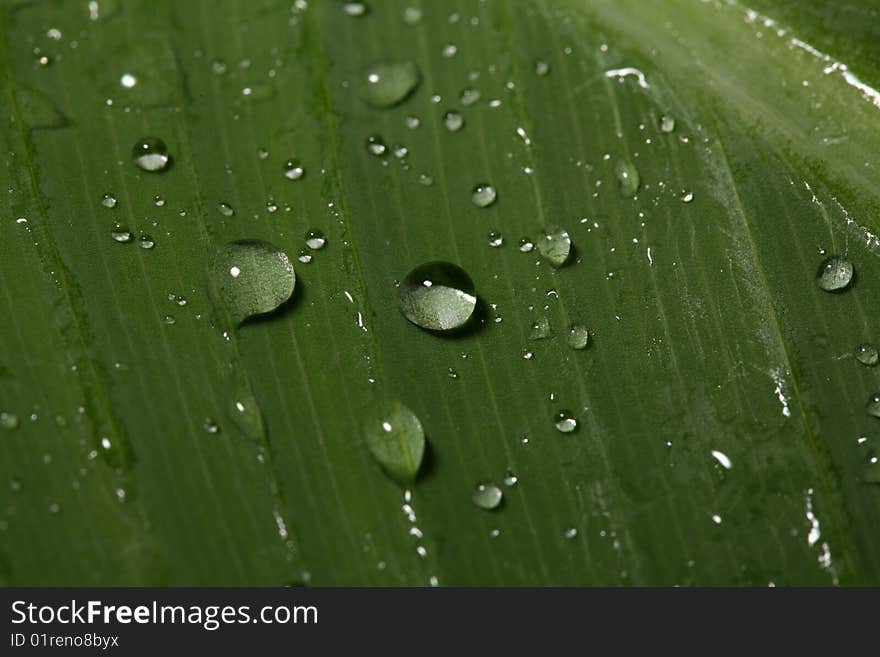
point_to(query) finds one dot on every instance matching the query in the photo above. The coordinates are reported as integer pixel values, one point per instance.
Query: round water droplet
(540, 329)
(146, 242)
(304, 256)
(438, 296)
(108, 200)
(565, 422)
(400, 151)
(835, 274)
(510, 479)
(412, 15)
(210, 426)
(867, 354)
(396, 440)
(484, 195)
(355, 8)
(389, 84)
(315, 240)
(542, 68)
(496, 239)
(412, 122)
(873, 406)
(687, 197)
(525, 245)
(667, 123)
(226, 210)
(293, 169)
(376, 145)
(120, 233)
(151, 154)
(578, 337)
(487, 496)
(555, 246)
(8, 420)
(158, 201)
(453, 121)
(469, 96)
(252, 277)
(628, 176)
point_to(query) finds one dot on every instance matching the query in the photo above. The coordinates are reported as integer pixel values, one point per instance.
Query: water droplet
(835, 274)
(565, 422)
(571, 533)
(453, 121)
(397, 441)
(484, 195)
(120, 233)
(108, 200)
(315, 240)
(128, 80)
(873, 406)
(540, 329)
(304, 256)
(376, 145)
(226, 210)
(487, 496)
(218, 66)
(146, 242)
(687, 197)
(15, 485)
(496, 239)
(667, 123)
(169, 319)
(871, 473)
(293, 169)
(628, 176)
(252, 277)
(210, 426)
(438, 296)
(8, 420)
(355, 8)
(158, 201)
(525, 245)
(469, 96)
(555, 246)
(450, 50)
(412, 15)
(510, 479)
(399, 151)
(412, 122)
(867, 354)
(151, 154)
(542, 68)
(578, 337)
(389, 84)
(426, 180)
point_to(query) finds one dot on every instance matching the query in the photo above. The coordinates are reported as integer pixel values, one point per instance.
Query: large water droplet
(252, 277)
(487, 496)
(565, 422)
(867, 354)
(397, 441)
(151, 154)
(578, 337)
(438, 296)
(555, 246)
(835, 274)
(389, 84)
(484, 195)
(628, 176)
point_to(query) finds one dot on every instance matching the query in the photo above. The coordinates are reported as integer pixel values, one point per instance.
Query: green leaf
(397, 441)
(705, 159)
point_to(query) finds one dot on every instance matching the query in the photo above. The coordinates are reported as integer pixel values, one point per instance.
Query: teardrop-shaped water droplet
(453, 121)
(483, 195)
(542, 68)
(397, 441)
(108, 200)
(120, 233)
(293, 169)
(389, 84)
(565, 422)
(487, 496)
(555, 246)
(376, 145)
(315, 240)
(873, 405)
(667, 123)
(835, 274)
(8, 420)
(867, 354)
(151, 154)
(252, 277)
(540, 329)
(438, 296)
(628, 176)
(226, 210)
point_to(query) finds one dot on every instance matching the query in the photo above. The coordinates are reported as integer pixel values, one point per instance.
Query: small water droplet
(542, 68)
(453, 121)
(628, 176)
(873, 406)
(412, 122)
(151, 154)
(578, 337)
(412, 15)
(389, 84)
(293, 169)
(483, 195)
(687, 197)
(15, 485)
(396, 440)
(487, 496)
(120, 233)
(540, 329)
(356, 9)
(304, 256)
(571, 533)
(252, 277)
(835, 274)
(169, 319)
(376, 145)
(8, 420)
(526, 245)
(450, 50)
(426, 180)
(146, 242)
(469, 96)
(555, 246)
(108, 200)
(438, 296)
(867, 354)
(158, 201)
(315, 240)
(128, 80)
(496, 239)
(218, 66)
(565, 422)
(226, 210)
(667, 123)
(510, 479)
(399, 151)
(210, 426)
